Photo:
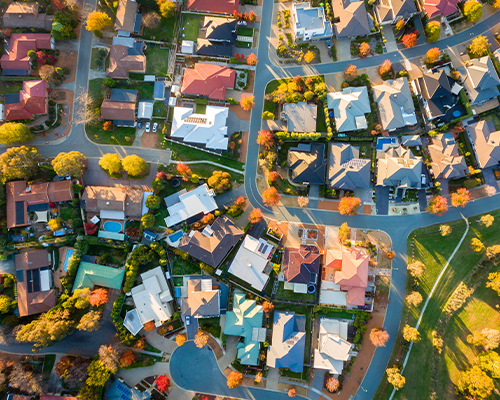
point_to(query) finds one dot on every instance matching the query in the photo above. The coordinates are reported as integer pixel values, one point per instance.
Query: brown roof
(201, 303)
(20, 44)
(38, 193)
(215, 6)
(486, 143)
(125, 199)
(447, 162)
(121, 62)
(208, 80)
(214, 243)
(299, 264)
(125, 15)
(118, 110)
(26, 15)
(31, 300)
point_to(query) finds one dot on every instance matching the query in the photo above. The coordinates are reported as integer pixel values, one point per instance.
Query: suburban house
(23, 199)
(120, 107)
(15, 61)
(30, 102)
(119, 390)
(288, 343)
(395, 104)
(350, 19)
(152, 299)
(251, 261)
(205, 47)
(145, 110)
(203, 299)
(245, 321)
(128, 19)
(485, 140)
(26, 15)
(309, 24)
(301, 267)
(189, 206)
(299, 117)
(208, 80)
(480, 80)
(344, 278)
(306, 163)
(399, 168)
(391, 11)
(439, 94)
(34, 282)
(219, 30)
(447, 163)
(440, 8)
(333, 349)
(213, 244)
(411, 140)
(349, 107)
(126, 55)
(213, 6)
(345, 169)
(90, 275)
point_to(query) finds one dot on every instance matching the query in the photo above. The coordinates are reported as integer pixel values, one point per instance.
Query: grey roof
(127, 95)
(435, 87)
(309, 18)
(206, 48)
(345, 169)
(480, 80)
(159, 90)
(220, 29)
(485, 140)
(411, 140)
(145, 110)
(391, 10)
(307, 163)
(395, 104)
(353, 18)
(288, 343)
(399, 168)
(351, 103)
(301, 117)
(447, 162)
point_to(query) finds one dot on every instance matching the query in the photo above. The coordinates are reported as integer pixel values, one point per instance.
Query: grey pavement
(230, 352)
(344, 49)
(489, 177)
(228, 198)
(317, 383)
(273, 377)
(133, 376)
(95, 176)
(391, 44)
(235, 124)
(55, 382)
(161, 343)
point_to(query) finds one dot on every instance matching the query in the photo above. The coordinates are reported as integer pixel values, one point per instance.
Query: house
(152, 299)
(309, 24)
(119, 390)
(126, 55)
(349, 108)
(26, 15)
(205, 47)
(203, 299)
(332, 349)
(208, 130)
(447, 163)
(345, 169)
(306, 163)
(190, 206)
(15, 61)
(30, 102)
(22, 199)
(117, 203)
(219, 30)
(251, 261)
(395, 104)
(213, 244)
(439, 94)
(350, 19)
(245, 321)
(128, 19)
(399, 168)
(344, 278)
(208, 80)
(438, 8)
(480, 80)
(288, 343)
(485, 140)
(411, 140)
(391, 11)
(159, 91)
(120, 107)
(34, 282)
(90, 275)
(301, 267)
(213, 6)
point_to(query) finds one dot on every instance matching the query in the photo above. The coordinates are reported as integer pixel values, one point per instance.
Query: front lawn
(120, 136)
(211, 325)
(157, 61)
(10, 87)
(244, 31)
(159, 110)
(191, 27)
(284, 186)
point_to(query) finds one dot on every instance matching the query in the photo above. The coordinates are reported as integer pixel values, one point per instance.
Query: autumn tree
(147, 220)
(90, 321)
(475, 383)
(183, 169)
(266, 139)
(479, 47)
(151, 20)
(98, 297)
(220, 181)
(349, 205)
(490, 362)
(234, 379)
(433, 31)
(180, 339)
(385, 68)
(110, 357)
(364, 49)
(247, 102)
(127, 359)
(153, 201)
(432, 55)
(134, 165)
(390, 254)
(414, 299)
(303, 201)
(445, 230)
(15, 132)
(492, 338)
(98, 373)
(477, 245)
(410, 39)
(379, 337)
(351, 72)
(487, 220)
(6, 304)
(267, 307)
(252, 59)
(437, 205)
(75, 375)
(26, 380)
(48, 73)
(309, 56)
(493, 251)
(473, 10)
(162, 383)
(97, 21)
(460, 198)
(437, 342)
(72, 164)
(167, 8)
(292, 392)
(255, 216)
(411, 334)
(416, 269)
(271, 197)
(395, 378)
(332, 384)
(111, 163)
(201, 339)
(54, 224)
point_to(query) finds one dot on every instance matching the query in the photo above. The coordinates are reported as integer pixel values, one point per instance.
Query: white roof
(332, 295)
(132, 322)
(258, 334)
(208, 129)
(110, 214)
(250, 262)
(349, 108)
(145, 110)
(191, 203)
(95, 219)
(333, 347)
(42, 216)
(145, 208)
(187, 47)
(172, 101)
(149, 78)
(45, 280)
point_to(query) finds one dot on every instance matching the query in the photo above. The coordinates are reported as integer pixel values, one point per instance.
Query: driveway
(382, 200)
(489, 177)
(192, 328)
(344, 49)
(235, 124)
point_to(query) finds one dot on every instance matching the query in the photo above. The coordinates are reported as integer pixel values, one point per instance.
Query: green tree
(19, 163)
(477, 245)
(433, 31)
(5, 304)
(147, 220)
(72, 164)
(153, 202)
(134, 165)
(220, 181)
(473, 10)
(15, 132)
(111, 163)
(267, 115)
(98, 374)
(158, 185)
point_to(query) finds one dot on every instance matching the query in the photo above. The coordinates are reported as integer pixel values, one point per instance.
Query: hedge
(297, 135)
(123, 334)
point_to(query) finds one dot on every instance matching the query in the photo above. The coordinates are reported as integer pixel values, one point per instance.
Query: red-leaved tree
(183, 169)
(98, 297)
(163, 383)
(410, 39)
(161, 175)
(240, 202)
(437, 205)
(349, 205)
(255, 216)
(460, 198)
(266, 139)
(90, 228)
(273, 176)
(271, 196)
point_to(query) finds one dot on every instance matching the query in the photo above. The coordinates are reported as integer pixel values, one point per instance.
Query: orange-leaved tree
(432, 55)
(252, 59)
(271, 196)
(364, 49)
(349, 205)
(98, 297)
(247, 102)
(410, 39)
(351, 72)
(255, 216)
(437, 205)
(273, 176)
(234, 379)
(266, 139)
(460, 198)
(183, 169)
(385, 68)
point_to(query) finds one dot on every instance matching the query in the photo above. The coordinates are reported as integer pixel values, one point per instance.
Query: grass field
(10, 87)
(157, 61)
(191, 27)
(164, 31)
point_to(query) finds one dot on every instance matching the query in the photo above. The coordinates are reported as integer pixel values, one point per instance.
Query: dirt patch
(240, 113)
(68, 59)
(381, 240)
(150, 140)
(215, 347)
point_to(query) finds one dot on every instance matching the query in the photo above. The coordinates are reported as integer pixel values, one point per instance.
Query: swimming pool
(112, 226)
(69, 253)
(174, 237)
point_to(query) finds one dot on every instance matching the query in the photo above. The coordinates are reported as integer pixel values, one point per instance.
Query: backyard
(164, 31)
(157, 61)
(184, 267)
(191, 27)
(285, 294)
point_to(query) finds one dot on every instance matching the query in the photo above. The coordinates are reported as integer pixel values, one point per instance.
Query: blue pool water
(384, 140)
(69, 253)
(112, 226)
(457, 113)
(174, 237)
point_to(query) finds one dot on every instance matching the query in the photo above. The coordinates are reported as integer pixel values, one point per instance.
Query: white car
(148, 126)
(155, 126)
(188, 320)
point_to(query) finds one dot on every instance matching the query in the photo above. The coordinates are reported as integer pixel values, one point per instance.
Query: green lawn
(157, 61)
(244, 31)
(118, 256)
(290, 295)
(120, 136)
(211, 325)
(191, 27)
(163, 32)
(10, 87)
(320, 120)
(493, 117)
(184, 267)
(201, 108)
(159, 109)
(284, 186)
(243, 45)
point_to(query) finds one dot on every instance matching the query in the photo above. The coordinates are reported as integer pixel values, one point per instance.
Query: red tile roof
(434, 8)
(32, 101)
(208, 80)
(20, 44)
(118, 110)
(215, 6)
(299, 264)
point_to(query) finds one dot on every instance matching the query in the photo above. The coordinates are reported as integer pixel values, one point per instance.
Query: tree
(75, 376)
(5, 304)
(110, 357)
(19, 163)
(267, 307)
(414, 299)
(492, 337)
(416, 269)
(153, 201)
(477, 339)
(158, 185)
(349, 205)
(127, 359)
(26, 380)
(267, 115)
(303, 201)
(437, 342)
(411, 334)
(167, 8)
(410, 39)
(460, 198)
(234, 379)
(54, 224)
(107, 126)
(72, 164)
(433, 31)
(445, 230)
(98, 373)
(240, 202)
(473, 10)
(252, 59)
(220, 181)
(475, 383)
(490, 362)
(364, 49)
(292, 392)
(487, 220)
(162, 383)
(477, 245)
(266, 139)
(111, 163)
(134, 165)
(180, 339)
(97, 21)
(183, 169)
(493, 251)
(149, 326)
(90, 321)
(332, 384)
(309, 56)
(201, 339)
(479, 47)
(437, 205)
(344, 232)
(15, 132)
(147, 220)
(351, 72)
(379, 337)
(432, 55)
(48, 73)
(151, 20)
(246, 102)
(385, 68)
(395, 378)
(390, 254)
(98, 297)
(273, 176)
(271, 196)
(255, 216)
(64, 364)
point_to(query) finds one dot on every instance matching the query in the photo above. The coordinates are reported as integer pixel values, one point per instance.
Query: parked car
(188, 320)
(139, 124)
(148, 126)
(155, 126)
(329, 44)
